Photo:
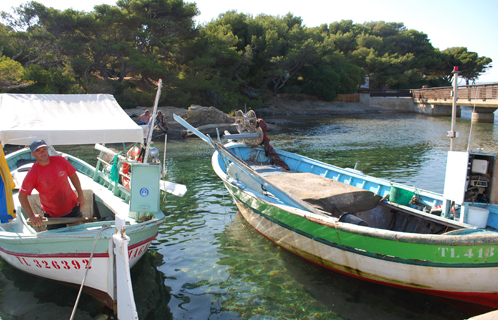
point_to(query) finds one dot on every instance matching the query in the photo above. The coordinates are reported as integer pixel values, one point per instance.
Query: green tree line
(233, 61)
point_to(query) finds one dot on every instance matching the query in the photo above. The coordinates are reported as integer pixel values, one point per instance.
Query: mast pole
(452, 134)
(151, 123)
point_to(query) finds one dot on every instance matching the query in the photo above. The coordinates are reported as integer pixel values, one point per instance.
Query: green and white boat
(370, 228)
(68, 253)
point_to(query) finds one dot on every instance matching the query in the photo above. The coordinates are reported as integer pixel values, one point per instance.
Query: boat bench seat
(115, 204)
(326, 194)
(86, 211)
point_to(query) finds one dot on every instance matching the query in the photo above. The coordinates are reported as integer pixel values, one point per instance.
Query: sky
(458, 23)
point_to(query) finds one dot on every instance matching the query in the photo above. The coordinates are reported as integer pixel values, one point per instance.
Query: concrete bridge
(439, 101)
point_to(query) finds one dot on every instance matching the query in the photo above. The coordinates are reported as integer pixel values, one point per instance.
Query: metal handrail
(484, 92)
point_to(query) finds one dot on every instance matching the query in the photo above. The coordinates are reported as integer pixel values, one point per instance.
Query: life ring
(132, 154)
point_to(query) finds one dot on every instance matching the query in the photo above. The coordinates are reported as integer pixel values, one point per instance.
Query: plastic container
(478, 217)
(400, 196)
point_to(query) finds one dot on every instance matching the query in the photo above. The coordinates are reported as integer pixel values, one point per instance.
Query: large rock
(198, 116)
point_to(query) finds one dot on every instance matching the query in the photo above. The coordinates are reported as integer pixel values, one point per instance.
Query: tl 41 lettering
(466, 252)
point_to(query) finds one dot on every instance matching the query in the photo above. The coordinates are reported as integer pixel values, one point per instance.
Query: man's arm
(36, 219)
(77, 185)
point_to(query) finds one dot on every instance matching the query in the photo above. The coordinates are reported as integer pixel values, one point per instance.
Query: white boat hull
(70, 268)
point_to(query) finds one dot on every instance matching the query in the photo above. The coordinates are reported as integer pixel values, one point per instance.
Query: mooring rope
(104, 226)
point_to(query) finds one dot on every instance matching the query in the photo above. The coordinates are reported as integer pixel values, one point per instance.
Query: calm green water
(207, 263)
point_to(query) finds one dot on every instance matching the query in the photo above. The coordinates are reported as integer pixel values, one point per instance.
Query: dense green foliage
(11, 72)
(232, 61)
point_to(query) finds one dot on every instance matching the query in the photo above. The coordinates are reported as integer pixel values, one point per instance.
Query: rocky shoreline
(286, 107)
(207, 119)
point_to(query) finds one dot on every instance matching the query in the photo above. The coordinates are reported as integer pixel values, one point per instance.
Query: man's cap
(37, 144)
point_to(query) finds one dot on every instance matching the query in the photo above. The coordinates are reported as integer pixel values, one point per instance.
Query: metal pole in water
(452, 134)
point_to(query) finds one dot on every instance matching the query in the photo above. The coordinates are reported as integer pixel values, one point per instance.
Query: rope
(104, 226)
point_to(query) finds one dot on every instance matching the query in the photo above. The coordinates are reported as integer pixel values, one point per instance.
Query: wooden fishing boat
(86, 249)
(370, 228)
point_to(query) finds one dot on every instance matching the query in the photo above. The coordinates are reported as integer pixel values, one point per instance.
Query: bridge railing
(480, 92)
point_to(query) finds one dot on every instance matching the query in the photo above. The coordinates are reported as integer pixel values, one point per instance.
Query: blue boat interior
(397, 207)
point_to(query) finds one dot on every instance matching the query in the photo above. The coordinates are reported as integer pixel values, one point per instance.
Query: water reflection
(24, 296)
(260, 282)
(277, 284)
(151, 295)
(405, 148)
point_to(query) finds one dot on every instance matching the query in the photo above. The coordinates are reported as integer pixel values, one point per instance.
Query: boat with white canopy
(118, 224)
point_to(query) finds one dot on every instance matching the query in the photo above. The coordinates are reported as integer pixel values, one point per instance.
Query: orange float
(132, 154)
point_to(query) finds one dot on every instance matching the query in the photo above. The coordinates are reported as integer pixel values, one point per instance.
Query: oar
(246, 168)
(192, 129)
(173, 188)
(50, 221)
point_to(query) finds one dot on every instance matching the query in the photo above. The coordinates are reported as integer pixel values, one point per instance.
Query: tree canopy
(232, 61)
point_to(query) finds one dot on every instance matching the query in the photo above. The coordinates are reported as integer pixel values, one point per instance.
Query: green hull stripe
(329, 243)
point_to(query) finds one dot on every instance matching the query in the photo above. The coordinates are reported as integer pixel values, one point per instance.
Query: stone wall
(400, 104)
(435, 110)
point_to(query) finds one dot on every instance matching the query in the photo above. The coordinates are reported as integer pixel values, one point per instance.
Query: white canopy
(65, 119)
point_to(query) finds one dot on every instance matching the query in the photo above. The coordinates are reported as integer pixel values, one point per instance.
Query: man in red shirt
(49, 175)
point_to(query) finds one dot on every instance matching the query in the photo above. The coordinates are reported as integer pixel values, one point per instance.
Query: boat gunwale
(485, 238)
(83, 234)
(298, 157)
(65, 254)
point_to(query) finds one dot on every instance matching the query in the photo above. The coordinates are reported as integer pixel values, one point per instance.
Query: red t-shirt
(56, 194)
